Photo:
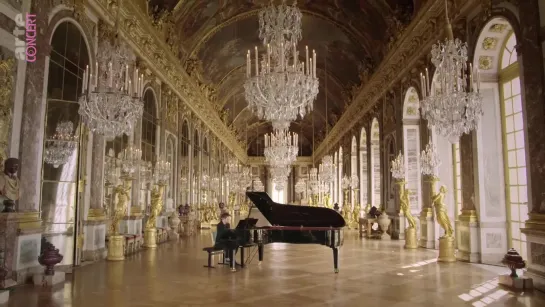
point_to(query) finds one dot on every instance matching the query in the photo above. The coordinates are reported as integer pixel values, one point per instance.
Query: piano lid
(291, 215)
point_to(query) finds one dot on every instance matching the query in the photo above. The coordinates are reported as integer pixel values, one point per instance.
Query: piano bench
(212, 251)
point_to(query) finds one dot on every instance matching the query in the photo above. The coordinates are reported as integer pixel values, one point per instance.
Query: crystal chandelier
(205, 181)
(314, 181)
(279, 175)
(300, 186)
(111, 98)
(454, 105)
(281, 147)
(429, 161)
(244, 180)
(60, 147)
(258, 185)
(215, 183)
(354, 181)
(398, 167)
(161, 172)
(145, 171)
(131, 161)
(327, 169)
(345, 182)
(232, 167)
(281, 87)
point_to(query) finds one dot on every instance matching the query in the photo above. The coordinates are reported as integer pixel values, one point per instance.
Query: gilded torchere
(446, 242)
(116, 241)
(150, 233)
(404, 203)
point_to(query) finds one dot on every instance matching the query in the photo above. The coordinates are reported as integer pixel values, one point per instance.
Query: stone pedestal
(516, 283)
(48, 280)
(535, 236)
(4, 297)
(427, 229)
(115, 248)
(468, 237)
(402, 225)
(94, 241)
(446, 250)
(410, 238)
(150, 238)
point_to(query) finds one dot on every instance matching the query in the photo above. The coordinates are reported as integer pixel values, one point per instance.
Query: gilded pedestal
(150, 238)
(446, 250)
(115, 248)
(410, 238)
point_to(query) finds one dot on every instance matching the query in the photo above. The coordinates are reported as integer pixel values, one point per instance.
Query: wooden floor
(372, 273)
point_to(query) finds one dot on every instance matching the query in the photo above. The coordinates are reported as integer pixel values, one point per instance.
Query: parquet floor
(372, 273)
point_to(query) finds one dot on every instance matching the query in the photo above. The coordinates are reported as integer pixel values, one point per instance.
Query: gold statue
(347, 214)
(356, 212)
(404, 194)
(120, 210)
(156, 206)
(327, 200)
(441, 211)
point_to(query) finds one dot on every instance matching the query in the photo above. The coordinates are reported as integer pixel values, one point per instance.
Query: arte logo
(25, 49)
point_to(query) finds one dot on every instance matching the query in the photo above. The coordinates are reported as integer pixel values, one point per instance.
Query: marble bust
(9, 184)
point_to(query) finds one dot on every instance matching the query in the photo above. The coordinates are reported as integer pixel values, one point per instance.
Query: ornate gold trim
(422, 32)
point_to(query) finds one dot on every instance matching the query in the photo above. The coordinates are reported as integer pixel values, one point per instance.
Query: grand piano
(290, 224)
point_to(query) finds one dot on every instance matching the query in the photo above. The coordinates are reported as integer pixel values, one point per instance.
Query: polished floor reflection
(372, 273)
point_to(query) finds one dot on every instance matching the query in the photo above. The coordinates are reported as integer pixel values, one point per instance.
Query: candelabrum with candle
(258, 185)
(281, 87)
(281, 147)
(453, 106)
(345, 183)
(161, 175)
(314, 181)
(300, 187)
(279, 175)
(111, 100)
(161, 172)
(130, 162)
(60, 147)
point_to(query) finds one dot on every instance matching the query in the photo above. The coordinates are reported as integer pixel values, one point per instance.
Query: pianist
(226, 238)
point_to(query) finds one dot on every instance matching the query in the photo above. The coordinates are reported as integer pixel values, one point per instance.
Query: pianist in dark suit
(225, 236)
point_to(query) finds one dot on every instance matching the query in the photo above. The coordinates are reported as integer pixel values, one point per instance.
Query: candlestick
(127, 78)
(294, 56)
(268, 54)
(282, 62)
(83, 83)
(96, 74)
(427, 82)
(478, 80)
(311, 74)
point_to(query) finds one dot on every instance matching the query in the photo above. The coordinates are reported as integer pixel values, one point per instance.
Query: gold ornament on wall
(490, 43)
(485, 62)
(498, 27)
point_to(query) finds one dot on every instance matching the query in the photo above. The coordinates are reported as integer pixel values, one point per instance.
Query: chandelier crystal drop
(279, 86)
(279, 175)
(345, 182)
(258, 185)
(281, 147)
(354, 181)
(300, 186)
(453, 105)
(314, 181)
(429, 161)
(398, 167)
(60, 147)
(111, 101)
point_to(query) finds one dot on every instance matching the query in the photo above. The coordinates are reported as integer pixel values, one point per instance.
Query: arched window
(196, 170)
(184, 176)
(59, 200)
(376, 189)
(354, 166)
(171, 157)
(364, 169)
(340, 169)
(411, 147)
(149, 127)
(514, 144)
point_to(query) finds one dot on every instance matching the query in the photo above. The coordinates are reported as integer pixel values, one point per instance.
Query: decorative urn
(513, 261)
(49, 257)
(174, 221)
(384, 222)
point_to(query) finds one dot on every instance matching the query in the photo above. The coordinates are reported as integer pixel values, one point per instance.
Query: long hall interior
(258, 152)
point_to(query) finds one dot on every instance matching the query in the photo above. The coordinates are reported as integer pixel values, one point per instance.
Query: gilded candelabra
(161, 175)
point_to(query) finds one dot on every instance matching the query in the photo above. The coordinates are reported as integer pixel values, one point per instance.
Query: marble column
(94, 226)
(467, 230)
(427, 221)
(31, 151)
(532, 78)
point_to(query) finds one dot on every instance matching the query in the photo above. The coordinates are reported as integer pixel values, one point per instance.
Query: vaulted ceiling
(349, 36)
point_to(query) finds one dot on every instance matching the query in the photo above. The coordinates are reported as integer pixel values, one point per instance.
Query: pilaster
(427, 220)
(467, 230)
(532, 78)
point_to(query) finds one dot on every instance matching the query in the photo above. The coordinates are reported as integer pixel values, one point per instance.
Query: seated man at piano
(225, 236)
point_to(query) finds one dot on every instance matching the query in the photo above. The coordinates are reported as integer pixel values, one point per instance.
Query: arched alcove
(376, 187)
(501, 142)
(411, 147)
(335, 178)
(149, 127)
(185, 169)
(354, 168)
(340, 168)
(195, 185)
(364, 169)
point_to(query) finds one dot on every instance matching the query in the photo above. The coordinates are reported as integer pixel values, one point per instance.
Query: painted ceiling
(349, 36)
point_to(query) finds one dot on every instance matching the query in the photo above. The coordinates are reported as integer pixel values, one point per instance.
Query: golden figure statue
(356, 212)
(327, 200)
(231, 201)
(156, 206)
(120, 210)
(347, 214)
(441, 211)
(404, 203)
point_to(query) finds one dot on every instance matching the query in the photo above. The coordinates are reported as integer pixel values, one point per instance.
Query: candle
(268, 55)
(256, 62)
(310, 64)
(294, 56)
(307, 69)
(248, 64)
(127, 78)
(314, 62)
(478, 80)
(84, 77)
(427, 81)
(91, 86)
(111, 75)
(282, 56)
(129, 88)
(471, 87)
(96, 74)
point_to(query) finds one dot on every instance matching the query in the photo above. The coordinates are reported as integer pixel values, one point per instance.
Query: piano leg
(336, 259)
(242, 256)
(260, 252)
(232, 258)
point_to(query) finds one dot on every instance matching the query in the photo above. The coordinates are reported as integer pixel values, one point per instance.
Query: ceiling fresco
(350, 35)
